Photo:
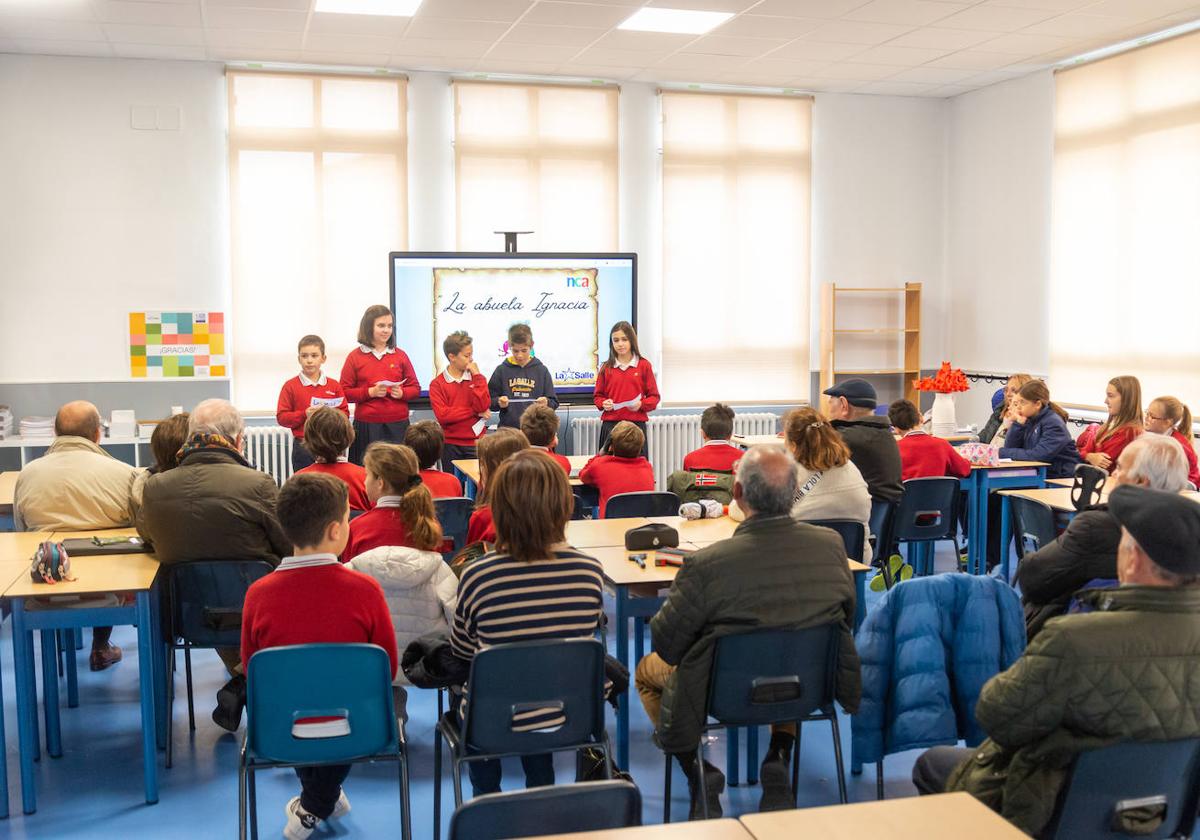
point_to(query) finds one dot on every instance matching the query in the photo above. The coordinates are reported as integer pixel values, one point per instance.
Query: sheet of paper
(512, 400)
(389, 383)
(332, 402)
(479, 426)
(626, 404)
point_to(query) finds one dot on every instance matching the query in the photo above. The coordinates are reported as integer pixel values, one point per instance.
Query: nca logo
(578, 282)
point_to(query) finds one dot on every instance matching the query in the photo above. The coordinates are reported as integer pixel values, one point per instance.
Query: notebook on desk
(85, 546)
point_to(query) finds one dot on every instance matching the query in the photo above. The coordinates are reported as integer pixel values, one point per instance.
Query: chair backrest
(581, 507)
(646, 503)
(853, 534)
(559, 809)
(454, 515)
(928, 510)
(507, 680)
(883, 524)
(348, 683)
(1127, 784)
(206, 598)
(1033, 524)
(773, 675)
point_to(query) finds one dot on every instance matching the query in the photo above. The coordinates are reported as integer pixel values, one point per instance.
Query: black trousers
(301, 457)
(606, 431)
(320, 787)
(934, 766)
(456, 452)
(367, 433)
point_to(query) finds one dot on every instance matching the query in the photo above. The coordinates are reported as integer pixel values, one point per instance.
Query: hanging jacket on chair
(927, 648)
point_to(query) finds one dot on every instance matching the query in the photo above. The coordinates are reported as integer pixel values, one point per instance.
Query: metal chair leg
(405, 810)
(437, 770)
(701, 782)
(170, 675)
(667, 789)
(253, 805)
(241, 795)
(837, 757)
(187, 667)
(879, 779)
(796, 767)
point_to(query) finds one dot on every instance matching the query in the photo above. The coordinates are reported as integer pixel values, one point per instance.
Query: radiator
(671, 437)
(269, 448)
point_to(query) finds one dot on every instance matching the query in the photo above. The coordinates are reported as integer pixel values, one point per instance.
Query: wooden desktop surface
(947, 816)
(619, 569)
(95, 574)
(470, 467)
(706, 830)
(8, 488)
(1010, 465)
(16, 554)
(595, 533)
(700, 530)
(754, 440)
(1059, 498)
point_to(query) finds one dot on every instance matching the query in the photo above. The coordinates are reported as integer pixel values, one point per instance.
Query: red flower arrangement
(947, 380)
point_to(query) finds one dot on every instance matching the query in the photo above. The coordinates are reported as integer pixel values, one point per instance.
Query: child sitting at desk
(1168, 416)
(717, 454)
(328, 434)
(1039, 432)
(425, 439)
(1101, 444)
(921, 454)
(621, 468)
(403, 512)
(493, 450)
(539, 423)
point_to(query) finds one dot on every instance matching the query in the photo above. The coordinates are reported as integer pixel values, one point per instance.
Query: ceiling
(933, 48)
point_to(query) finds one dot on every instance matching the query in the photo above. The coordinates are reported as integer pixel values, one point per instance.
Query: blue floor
(95, 788)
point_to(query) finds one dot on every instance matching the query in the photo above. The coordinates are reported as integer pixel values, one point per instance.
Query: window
(1124, 263)
(318, 176)
(736, 196)
(536, 157)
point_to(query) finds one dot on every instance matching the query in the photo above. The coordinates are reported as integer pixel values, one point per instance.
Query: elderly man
(873, 449)
(1128, 671)
(773, 572)
(214, 506)
(1087, 550)
(76, 486)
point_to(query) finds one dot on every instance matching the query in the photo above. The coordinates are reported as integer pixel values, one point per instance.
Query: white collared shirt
(720, 443)
(915, 432)
(632, 363)
(307, 561)
(466, 376)
(388, 501)
(376, 353)
(304, 380)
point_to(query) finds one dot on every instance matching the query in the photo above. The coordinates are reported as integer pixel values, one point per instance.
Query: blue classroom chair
(561, 809)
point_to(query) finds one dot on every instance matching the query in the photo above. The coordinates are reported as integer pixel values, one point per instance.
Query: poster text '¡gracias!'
(544, 304)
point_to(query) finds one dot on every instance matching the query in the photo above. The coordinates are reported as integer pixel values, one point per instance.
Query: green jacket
(1129, 671)
(773, 572)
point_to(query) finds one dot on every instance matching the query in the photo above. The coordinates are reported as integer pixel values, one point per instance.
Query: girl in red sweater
(1169, 416)
(625, 385)
(1101, 444)
(622, 471)
(403, 512)
(379, 379)
(493, 450)
(327, 434)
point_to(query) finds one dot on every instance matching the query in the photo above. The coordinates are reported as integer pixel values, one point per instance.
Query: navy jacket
(1043, 437)
(520, 383)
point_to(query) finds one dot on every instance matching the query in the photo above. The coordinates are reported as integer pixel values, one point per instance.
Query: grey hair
(1158, 460)
(767, 474)
(216, 417)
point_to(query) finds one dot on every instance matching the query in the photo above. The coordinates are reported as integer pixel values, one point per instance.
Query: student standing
(1169, 416)
(521, 380)
(459, 397)
(1101, 444)
(302, 395)
(625, 386)
(379, 379)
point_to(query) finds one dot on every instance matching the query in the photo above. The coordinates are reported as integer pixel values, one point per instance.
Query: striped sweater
(503, 600)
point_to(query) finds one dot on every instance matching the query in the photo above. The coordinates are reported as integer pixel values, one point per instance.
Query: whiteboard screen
(569, 301)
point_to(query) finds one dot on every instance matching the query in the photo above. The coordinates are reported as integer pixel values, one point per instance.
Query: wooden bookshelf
(871, 331)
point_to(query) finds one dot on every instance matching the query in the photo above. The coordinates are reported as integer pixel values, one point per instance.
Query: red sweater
(1112, 446)
(295, 398)
(354, 476)
(620, 386)
(442, 485)
(480, 526)
(381, 525)
(457, 406)
(561, 460)
(925, 456)
(316, 599)
(1190, 451)
(716, 455)
(362, 370)
(612, 474)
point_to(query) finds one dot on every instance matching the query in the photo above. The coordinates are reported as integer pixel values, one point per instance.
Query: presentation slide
(570, 301)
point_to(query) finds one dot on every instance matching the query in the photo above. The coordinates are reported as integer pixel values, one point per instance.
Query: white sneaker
(300, 823)
(342, 808)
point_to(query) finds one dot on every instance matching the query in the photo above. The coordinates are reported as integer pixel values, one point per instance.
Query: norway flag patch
(705, 480)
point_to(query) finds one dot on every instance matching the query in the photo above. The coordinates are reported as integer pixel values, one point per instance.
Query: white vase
(944, 424)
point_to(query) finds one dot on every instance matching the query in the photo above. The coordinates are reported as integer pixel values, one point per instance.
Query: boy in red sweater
(921, 454)
(717, 454)
(623, 471)
(328, 434)
(425, 439)
(460, 399)
(540, 425)
(312, 598)
(302, 395)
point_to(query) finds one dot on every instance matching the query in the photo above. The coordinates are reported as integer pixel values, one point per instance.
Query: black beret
(858, 392)
(1166, 525)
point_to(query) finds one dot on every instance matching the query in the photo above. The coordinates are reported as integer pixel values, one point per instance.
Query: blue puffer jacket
(1043, 437)
(927, 648)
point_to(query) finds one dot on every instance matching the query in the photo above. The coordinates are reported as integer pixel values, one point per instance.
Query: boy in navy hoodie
(520, 380)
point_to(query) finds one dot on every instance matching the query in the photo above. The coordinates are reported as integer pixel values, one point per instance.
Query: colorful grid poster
(177, 345)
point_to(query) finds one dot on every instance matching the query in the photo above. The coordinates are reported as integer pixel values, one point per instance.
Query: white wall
(101, 219)
(998, 256)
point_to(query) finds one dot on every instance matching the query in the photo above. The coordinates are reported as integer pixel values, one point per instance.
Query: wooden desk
(1058, 498)
(469, 467)
(746, 441)
(700, 530)
(1060, 482)
(597, 533)
(979, 484)
(8, 488)
(96, 575)
(705, 830)
(946, 816)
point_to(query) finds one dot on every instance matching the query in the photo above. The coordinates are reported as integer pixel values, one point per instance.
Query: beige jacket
(76, 485)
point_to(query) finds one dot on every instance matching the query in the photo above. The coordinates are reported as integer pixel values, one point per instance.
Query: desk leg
(50, 693)
(751, 755)
(146, 656)
(622, 602)
(860, 598)
(158, 660)
(26, 706)
(3, 764)
(72, 634)
(732, 755)
(981, 524)
(1005, 535)
(639, 639)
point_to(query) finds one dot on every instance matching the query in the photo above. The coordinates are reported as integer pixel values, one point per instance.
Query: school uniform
(561, 460)
(714, 456)
(296, 396)
(352, 475)
(378, 418)
(457, 404)
(381, 525)
(1112, 446)
(442, 485)
(612, 474)
(924, 456)
(524, 384)
(621, 382)
(480, 526)
(1190, 452)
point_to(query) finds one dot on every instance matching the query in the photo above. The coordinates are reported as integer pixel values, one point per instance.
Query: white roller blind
(1125, 271)
(736, 203)
(318, 175)
(536, 157)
